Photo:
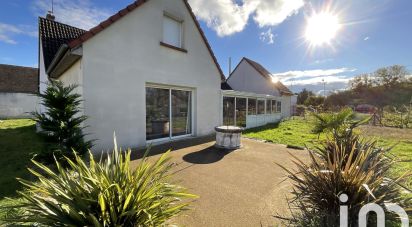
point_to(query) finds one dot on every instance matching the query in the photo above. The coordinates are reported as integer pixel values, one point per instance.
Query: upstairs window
(172, 31)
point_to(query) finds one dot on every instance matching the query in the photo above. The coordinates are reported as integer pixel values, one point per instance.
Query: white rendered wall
(286, 106)
(17, 105)
(74, 76)
(119, 61)
(246, 78)
(262, 119)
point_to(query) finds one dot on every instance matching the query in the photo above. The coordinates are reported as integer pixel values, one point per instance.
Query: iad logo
(380, 213)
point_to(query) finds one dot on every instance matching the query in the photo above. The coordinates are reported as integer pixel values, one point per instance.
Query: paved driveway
(239, 188)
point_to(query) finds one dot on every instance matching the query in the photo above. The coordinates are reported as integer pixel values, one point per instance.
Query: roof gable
(266, 74)
(97, 29)
(53, 35)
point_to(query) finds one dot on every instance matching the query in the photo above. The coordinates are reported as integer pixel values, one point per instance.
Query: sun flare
(321, 28)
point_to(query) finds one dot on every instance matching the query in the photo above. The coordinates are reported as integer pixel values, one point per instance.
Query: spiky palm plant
(62, 122)
(337, 123)
(105, 193)
(353, 167)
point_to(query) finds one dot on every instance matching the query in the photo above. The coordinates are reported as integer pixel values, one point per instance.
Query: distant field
(298, 132)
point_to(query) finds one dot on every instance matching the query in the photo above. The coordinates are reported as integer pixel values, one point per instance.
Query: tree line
(387, 86)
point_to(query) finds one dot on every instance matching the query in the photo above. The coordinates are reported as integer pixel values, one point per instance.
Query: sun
(322, 28)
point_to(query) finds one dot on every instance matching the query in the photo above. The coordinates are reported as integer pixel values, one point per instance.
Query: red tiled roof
(265, 73)
(92, 32)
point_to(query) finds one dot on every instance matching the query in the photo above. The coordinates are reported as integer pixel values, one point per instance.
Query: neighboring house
(18, 89)
(146, 73)
(252, 98)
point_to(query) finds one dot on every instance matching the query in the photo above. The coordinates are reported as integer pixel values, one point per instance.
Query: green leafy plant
(348, 166)
(337, 123)
(104, 193)
(62, 122)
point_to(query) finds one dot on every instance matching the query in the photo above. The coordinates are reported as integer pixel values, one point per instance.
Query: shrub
(337, 123)
(61, 123)
(342, 166)
(104, 193)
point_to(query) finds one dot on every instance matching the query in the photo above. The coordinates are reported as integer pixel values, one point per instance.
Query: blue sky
(372, 34)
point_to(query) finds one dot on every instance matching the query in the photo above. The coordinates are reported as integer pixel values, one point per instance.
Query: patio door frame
(176, 88)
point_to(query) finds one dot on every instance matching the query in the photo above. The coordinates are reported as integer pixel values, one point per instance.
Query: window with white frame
(260, 107)
(274, 106)
(172, 31)
(279, 106)
(268, 106)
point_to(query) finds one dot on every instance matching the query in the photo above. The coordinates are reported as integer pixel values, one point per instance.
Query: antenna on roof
(50, 15)
(230, 65)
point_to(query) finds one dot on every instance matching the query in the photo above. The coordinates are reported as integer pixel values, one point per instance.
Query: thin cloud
(267, 36)
(227, 17)
(318, 80)
(8, 32)
(79, 13)
(312, 73)
(366, 38)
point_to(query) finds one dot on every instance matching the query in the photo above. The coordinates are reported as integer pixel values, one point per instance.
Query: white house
(253, 97)
(146, 73)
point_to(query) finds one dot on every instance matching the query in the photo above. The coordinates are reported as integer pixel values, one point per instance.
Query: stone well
(228, 137)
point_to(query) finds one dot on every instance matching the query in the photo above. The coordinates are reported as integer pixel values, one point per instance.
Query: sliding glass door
(168, 113)
(157, 113)
(181, 113)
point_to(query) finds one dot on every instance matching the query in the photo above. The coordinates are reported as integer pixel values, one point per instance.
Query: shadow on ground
(206, 156)
(174, 145)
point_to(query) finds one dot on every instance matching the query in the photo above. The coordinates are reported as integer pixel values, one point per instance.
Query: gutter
(59, 55)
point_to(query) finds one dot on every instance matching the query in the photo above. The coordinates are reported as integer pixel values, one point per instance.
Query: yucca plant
(61, 122)
(104, 193)
(357, 169)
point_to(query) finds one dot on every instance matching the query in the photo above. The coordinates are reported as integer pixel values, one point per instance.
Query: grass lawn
(18, 143)
(297, 132)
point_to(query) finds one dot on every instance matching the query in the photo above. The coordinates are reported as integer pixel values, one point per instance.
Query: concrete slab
(243, 187)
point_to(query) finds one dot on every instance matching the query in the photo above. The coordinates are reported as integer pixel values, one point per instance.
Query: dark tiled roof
(136, 4)
(265, 73)
(18, 79)
(53, 34)
(225, 86)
